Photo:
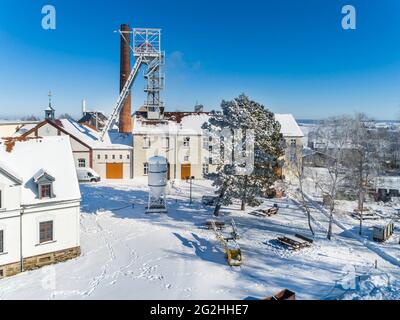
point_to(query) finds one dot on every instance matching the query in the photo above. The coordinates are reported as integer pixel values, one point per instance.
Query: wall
(10, 224)
(289, 171)
(65, 219)
(79, 150)
(99, 165)
(175, 154)
(9, 220)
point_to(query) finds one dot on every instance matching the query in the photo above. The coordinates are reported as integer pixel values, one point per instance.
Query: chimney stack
(125, 121)
(83, 107)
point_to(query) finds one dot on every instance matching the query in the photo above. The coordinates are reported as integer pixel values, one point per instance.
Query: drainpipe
(20, 241)
(176, 155)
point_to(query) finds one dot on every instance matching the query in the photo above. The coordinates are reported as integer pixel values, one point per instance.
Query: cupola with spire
(49, 111)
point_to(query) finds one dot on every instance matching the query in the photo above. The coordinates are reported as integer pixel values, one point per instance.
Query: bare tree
(296, 166)
(333, 141)
(364, 159)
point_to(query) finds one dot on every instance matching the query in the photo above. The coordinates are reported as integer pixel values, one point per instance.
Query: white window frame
(186, 142)
(166, 142)
(146, 168)
(146, 142)
(3, 250)
(80, 161)
(40, 186)
(46, 218)
(206, 169)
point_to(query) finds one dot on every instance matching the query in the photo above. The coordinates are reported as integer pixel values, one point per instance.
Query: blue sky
(292, 56)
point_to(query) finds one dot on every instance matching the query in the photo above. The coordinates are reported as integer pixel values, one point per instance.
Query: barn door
(114, 171)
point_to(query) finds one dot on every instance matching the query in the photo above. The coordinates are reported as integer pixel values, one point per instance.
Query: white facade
(87, 148)
(187, 146)
(38, 188)
(9, 128)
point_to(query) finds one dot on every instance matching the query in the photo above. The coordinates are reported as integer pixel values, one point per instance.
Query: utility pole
(191, 179)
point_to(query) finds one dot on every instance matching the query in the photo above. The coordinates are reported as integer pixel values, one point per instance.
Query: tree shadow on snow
(203, 249)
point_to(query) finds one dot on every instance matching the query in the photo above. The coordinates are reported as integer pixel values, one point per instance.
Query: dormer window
(45, 191)
(44, 182)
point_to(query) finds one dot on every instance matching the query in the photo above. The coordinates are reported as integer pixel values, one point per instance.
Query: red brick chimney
(125, 121)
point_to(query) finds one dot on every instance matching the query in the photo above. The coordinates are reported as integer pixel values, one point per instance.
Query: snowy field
(129, 255)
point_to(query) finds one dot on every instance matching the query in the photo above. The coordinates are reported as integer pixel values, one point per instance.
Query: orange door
(185, 171)
(114, 171)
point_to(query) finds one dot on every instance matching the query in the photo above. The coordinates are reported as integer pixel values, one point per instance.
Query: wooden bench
(265, 212)
(294, 244)
(219, 224)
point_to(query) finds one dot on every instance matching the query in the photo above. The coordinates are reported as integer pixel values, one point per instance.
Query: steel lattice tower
(147, 47)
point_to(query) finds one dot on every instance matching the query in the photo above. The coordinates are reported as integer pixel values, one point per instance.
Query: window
(106, 157)
(113, 156)
(166, 143)
(81, 163)
(1, 241)
(146, 169)
(293, 142)
(186, 142)
(45, 191)
(120, 156)
(186, 159)
(210, 160)
(210, 148)
(46, 231)
(98, 157)
(127, 156)
(205, 169)
(146, 142)
(205, 142)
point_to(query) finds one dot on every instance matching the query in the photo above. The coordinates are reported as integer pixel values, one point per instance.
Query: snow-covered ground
(129, 255)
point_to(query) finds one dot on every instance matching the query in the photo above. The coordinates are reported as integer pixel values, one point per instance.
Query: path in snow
(129, 255)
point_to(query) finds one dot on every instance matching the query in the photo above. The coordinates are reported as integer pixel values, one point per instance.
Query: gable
(7, 177)
(48, 128)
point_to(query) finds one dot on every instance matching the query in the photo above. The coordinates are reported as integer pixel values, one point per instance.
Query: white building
(179, 137)
(39, 204)
(111, 158)
(9, 128)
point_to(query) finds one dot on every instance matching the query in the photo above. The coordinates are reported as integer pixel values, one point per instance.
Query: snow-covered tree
(250, 145)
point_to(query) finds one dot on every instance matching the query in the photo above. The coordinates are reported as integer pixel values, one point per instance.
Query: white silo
(157, 181)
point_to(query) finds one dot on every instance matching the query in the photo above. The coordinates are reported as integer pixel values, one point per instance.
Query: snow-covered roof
(5, 169)
(49, 154)
(191, 123)
(289, 126)
(88, 135)
(388, 183)
(24, 128)
(40, 174)
(112, 140)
